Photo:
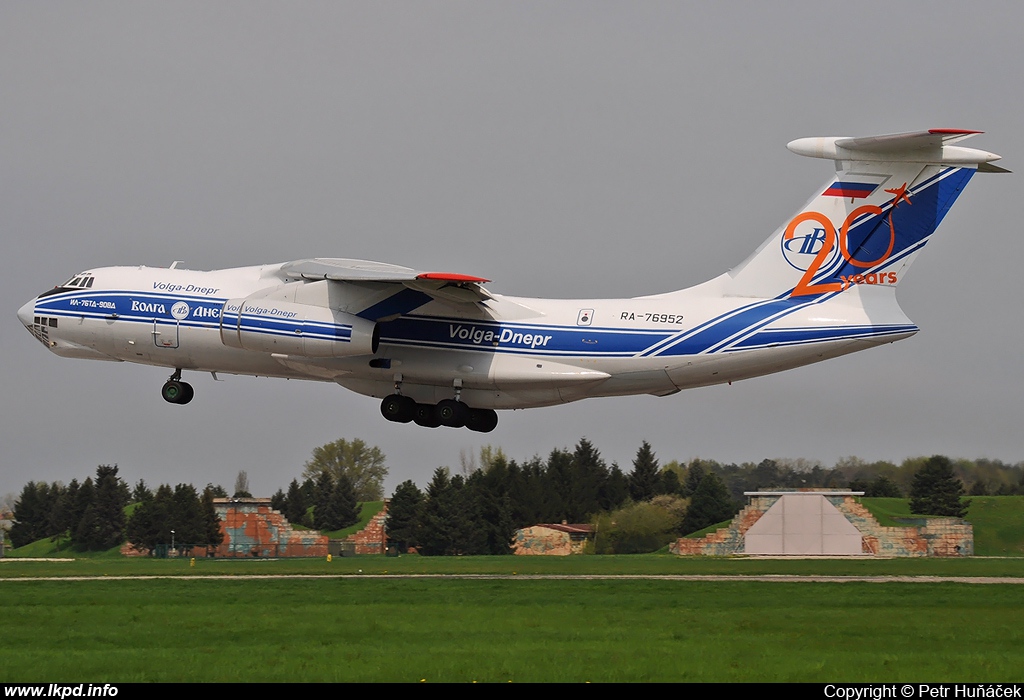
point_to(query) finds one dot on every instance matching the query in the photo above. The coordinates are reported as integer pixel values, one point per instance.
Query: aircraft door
(165, 335)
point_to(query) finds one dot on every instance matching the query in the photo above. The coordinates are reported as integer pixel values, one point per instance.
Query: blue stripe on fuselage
(537, 339)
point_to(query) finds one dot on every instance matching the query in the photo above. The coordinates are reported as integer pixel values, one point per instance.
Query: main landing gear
(176, 391)
(450, 412)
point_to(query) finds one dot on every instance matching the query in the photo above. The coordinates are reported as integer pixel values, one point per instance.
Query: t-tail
(869, 222)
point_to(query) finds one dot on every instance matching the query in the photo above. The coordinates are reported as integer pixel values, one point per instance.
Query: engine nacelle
(295, 329)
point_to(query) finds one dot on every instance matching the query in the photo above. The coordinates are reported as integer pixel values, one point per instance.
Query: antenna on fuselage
(175, 264)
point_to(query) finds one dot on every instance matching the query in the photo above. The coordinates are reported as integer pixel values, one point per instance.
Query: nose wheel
(176, 391)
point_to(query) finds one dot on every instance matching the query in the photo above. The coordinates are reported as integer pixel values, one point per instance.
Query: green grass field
(508, 630)
(604, 565)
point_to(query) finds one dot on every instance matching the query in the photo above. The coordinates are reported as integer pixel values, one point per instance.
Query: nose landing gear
(176, 391)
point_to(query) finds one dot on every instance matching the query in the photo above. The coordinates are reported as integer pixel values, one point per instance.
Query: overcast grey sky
(564, 149)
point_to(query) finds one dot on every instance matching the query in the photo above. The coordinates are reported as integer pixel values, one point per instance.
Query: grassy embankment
(998, 521)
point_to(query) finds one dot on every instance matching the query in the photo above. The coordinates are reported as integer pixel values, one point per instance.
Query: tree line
(93, 515)
(477, 511)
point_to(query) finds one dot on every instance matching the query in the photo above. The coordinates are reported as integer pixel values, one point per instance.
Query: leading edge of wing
(449, 286)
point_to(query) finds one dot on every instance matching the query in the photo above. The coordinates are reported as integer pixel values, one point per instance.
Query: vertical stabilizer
(867, 223)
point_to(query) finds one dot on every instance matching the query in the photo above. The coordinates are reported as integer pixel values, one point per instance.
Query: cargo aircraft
(439, 349)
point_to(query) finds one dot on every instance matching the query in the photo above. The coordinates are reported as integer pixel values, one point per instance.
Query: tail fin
(867, 225)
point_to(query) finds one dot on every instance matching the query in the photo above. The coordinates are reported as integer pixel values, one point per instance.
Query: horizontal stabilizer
(934, 146)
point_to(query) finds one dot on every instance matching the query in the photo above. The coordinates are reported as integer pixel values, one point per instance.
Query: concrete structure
(552, 539)
(253, 529)
(827, 522)
(372, 539)
(802, 523)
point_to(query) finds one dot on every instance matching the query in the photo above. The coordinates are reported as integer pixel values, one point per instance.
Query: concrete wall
(921, 537)
(253, 529)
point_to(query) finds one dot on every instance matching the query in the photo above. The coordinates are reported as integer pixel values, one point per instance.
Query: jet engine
(287, 328)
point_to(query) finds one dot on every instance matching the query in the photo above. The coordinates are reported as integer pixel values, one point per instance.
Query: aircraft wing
(445, 286)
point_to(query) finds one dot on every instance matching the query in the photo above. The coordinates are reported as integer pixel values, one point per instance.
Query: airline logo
(806, 244)
(180, 310)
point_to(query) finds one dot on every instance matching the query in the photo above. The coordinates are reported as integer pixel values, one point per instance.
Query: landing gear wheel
(173, 391)
(452, 413)
(398, 408)
(187, 392)
(482, 420)
(426, 415)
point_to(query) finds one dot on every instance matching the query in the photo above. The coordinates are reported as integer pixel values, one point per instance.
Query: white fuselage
(506, 352)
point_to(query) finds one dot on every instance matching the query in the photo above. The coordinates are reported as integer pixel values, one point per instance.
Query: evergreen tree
(187, 517)
(468, 533)
(217, 491)
(341, 508)
(645, 479)
(152, 520)
(709, 504)
(322, 502)
(111, 499)
(694, 475)
(936, 490)
(552, 483)
(488, 490)
(84, 506)
(295, 504)
(278, 501)
(60, 523)
(588, 475)
(883, 487)
(30, 515)
(444, 523)
(615, 491)
(213, 536)
(435, 528)
(141, 492)
(403, 519)
(670, 483)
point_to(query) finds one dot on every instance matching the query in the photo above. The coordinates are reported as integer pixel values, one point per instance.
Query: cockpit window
(83, 280)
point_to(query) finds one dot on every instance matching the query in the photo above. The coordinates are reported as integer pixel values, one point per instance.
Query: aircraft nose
(27, 312)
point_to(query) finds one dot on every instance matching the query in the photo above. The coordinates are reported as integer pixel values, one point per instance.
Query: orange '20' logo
(804, 287)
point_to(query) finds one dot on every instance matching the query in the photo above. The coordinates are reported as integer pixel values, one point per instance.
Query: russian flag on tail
(851, 190)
